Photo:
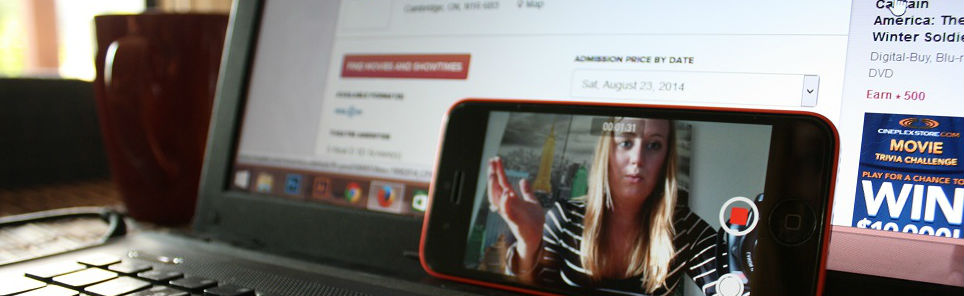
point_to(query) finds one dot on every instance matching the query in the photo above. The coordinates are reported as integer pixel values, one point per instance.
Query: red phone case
(827, 220)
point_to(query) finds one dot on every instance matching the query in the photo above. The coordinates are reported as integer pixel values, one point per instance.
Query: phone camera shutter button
(729, 285)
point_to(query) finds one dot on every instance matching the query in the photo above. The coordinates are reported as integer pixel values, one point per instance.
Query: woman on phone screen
(626, 236)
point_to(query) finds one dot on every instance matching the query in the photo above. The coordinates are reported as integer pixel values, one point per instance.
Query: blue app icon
(293, 184)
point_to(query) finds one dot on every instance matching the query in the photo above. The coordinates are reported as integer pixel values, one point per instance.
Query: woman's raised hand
(522, 213)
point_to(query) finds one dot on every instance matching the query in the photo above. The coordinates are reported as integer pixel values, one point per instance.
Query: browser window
(347, 99)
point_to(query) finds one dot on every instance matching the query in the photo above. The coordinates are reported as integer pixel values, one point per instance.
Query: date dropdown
(811, 86)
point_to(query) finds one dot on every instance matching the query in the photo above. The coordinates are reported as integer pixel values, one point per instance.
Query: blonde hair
(652, 251)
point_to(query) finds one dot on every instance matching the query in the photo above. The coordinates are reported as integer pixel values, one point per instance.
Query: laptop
(325, 125)
(283, 237)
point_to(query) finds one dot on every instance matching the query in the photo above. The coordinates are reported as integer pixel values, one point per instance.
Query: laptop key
(228, 290)
(98, 260)
(51, 291)
(18, 284)
(160, 276)
(129, 267)
(46, 272)
(84, 277)
(160, 291)
(118, 286)
(194, 284)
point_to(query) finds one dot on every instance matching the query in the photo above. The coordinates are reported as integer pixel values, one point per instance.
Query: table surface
(18, 242)
(97, 193)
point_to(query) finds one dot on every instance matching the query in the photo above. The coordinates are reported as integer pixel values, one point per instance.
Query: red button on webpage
(427, 66)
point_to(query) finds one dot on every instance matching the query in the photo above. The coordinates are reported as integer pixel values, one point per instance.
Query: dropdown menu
(811, 86)
(697, 88)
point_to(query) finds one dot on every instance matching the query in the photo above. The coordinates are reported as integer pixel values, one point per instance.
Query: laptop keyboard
(102, 275)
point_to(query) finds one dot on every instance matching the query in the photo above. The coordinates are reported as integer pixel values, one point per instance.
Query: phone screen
(620, 204)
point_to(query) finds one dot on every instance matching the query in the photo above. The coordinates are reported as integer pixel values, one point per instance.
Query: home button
(792, 222)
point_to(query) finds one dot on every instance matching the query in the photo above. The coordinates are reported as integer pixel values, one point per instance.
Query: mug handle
(127, 72)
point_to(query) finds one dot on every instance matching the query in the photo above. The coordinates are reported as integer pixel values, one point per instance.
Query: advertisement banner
(911, 179)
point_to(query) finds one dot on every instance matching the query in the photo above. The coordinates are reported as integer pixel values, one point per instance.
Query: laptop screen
(345, 101)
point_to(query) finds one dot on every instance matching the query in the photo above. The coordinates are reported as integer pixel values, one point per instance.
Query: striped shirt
(695, 242)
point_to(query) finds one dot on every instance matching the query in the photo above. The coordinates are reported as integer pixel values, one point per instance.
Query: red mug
(156, 78)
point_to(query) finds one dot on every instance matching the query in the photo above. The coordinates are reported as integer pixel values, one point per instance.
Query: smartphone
(588, 198)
